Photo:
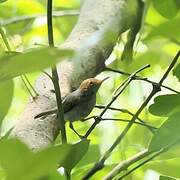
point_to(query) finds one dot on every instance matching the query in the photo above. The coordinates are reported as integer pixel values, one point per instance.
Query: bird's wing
(70, 101)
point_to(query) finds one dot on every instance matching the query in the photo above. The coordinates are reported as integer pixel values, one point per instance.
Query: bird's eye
(91, 83)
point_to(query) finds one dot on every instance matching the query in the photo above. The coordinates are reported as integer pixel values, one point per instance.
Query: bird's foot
(97, 119)
(91, 117)
(72, 127)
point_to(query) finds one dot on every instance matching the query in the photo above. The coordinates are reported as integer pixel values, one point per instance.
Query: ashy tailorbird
(78, 104)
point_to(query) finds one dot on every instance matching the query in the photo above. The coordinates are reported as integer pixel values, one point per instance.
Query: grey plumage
(78, 104)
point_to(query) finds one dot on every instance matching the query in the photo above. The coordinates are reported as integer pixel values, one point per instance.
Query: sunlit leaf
(166, 178)
(54, 175)
(176, 71)
(13, 10)
(167, 134)
(80, 172)
(166, 167)
(77, 153)
(6, 95)
(22, 8)
(167, 8)
(1, 1)
(2, 174)
(165, 104)
(19, 162)
(92, 155)
(10, 160)
(167, 29)
(172, 153)
(38, 59)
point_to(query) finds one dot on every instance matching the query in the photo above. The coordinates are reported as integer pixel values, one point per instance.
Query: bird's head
(91, 85)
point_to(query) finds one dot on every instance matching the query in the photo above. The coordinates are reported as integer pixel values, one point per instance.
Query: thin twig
(116, 71)
(141, 79)
(151, 128)
(56, 14)
(7, 44)
(31, 86)
(126, 163)
(128, 120)
(121, 88)
(169, 68)
(156, 88)
(162, 150)
(132, 77)
(118, 109)
(3, 35)
(47, 74)
(29, 91)
(152, 82)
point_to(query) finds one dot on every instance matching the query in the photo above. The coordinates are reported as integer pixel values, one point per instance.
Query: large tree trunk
(96, 32)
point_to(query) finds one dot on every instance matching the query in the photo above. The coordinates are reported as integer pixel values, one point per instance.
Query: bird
(78, 104)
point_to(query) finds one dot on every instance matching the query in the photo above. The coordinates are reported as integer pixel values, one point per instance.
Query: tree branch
(156, 88)
(126, 163)
(154, 155)
(89, 41)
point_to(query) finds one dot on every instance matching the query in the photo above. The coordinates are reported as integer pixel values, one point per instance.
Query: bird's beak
(104, 79)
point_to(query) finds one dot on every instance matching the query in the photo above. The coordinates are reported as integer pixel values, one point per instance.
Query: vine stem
(55, 80)
(156, 88)
(55, 77)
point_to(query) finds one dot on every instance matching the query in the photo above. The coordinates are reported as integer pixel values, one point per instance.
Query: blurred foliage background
(24, 23)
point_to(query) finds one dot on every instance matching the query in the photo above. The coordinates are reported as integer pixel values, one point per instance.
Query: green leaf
(91, 156)
(6, 96)
(176, 72)
(13, 156)
(7, 134)
(166, 167)
(165, 104)
(77, 153)
(38, 59)
(54, 175)
(21, 163)
(23, 9)
(1, 1)
(166, 178)
(172, 153)
(46, 161)
(2, 174)
(167, 134)
(167, 8)
(167, 29)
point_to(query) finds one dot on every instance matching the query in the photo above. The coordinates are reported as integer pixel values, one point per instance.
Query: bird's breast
(81, 110)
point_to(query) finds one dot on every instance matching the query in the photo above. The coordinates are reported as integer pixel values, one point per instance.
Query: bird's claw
(72, 127)
(97, 119)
